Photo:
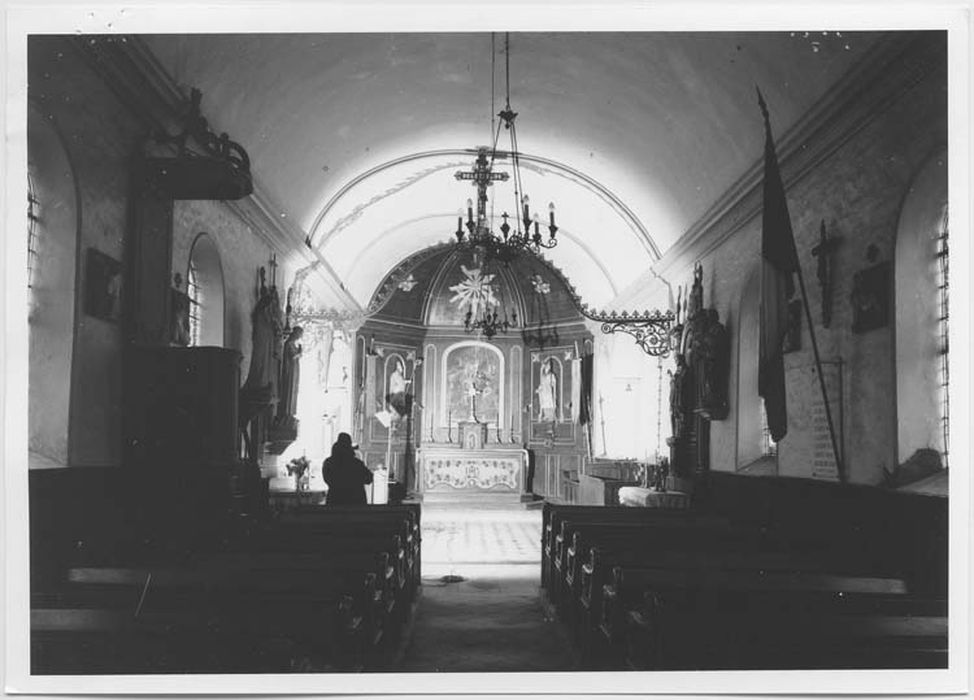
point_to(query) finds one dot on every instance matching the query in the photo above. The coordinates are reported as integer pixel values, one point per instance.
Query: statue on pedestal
(259, 394)
(290, 376)
(547, 388)
(710, 350)
(706, 346)
(681, 399)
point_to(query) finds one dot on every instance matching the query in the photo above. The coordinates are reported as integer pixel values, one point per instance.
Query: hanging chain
(659, 407)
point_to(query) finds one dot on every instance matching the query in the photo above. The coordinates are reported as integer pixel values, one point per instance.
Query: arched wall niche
(920, 398)
(52, 297)
(207, 268)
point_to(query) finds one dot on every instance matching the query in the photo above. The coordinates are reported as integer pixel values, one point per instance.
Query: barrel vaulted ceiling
(355, 138)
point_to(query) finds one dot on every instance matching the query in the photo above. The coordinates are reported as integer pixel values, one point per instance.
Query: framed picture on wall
(871, 290)
(103, 286)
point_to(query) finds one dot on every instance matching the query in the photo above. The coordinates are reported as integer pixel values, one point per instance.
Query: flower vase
(304, 482)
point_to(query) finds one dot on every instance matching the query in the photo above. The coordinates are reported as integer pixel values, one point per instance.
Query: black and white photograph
(485, 350)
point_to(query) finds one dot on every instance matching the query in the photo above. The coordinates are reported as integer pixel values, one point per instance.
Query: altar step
(478, 501)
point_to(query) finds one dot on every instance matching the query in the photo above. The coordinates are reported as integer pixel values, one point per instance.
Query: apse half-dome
(437, 286)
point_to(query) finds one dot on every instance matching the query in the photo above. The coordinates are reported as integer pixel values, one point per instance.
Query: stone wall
(857, 187)
(101, 133)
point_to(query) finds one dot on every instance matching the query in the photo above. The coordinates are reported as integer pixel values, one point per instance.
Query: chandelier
(510, 241)
(650, 330)
(489, 323)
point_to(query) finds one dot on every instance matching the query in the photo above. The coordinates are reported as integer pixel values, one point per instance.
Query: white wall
(52, 305)
(917, 330)
(625, 397)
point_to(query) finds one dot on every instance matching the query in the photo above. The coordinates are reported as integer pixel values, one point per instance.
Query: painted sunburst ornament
(539, 284)
(407, 283)
(476, 291)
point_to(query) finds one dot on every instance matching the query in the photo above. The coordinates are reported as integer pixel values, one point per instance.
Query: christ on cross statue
(823, 251)
(483, 178)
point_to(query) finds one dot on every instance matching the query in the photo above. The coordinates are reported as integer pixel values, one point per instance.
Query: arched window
(52, 262)
(943, 323)
(204, 286)
(921, 271)
(195, 293)
(33, 218)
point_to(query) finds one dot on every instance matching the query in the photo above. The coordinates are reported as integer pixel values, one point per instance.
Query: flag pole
(821, 378)
(840, 467)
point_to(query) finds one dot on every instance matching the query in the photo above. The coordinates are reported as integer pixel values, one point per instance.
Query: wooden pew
(765, 592)
(189, 622)
(337, 581)
(640, 538)
(350, 518)
(674, 546)
(553, 515)
(793, 624)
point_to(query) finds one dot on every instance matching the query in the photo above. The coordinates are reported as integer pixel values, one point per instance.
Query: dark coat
(346, 476)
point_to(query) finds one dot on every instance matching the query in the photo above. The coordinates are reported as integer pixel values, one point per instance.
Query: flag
(779, 263)
(585, 408)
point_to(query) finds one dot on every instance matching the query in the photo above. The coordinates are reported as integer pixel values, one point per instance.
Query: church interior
(649, 366)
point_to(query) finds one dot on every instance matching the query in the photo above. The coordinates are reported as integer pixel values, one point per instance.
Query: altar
(486, 475)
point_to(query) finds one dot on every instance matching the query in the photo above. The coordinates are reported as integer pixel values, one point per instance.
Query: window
(204, 287)
(922, 319)
(195, 293)
(943, 318)
(32, 221)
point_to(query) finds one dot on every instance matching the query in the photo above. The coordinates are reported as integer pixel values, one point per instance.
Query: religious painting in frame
(473, 386)
(870, 298)
(103, 286)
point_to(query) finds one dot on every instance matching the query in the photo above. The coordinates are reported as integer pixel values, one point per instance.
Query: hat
(345, 440)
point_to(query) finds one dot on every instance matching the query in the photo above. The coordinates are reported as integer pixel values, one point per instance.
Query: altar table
(486, 475)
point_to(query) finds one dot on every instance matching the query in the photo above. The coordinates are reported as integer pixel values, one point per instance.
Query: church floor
(492, 620)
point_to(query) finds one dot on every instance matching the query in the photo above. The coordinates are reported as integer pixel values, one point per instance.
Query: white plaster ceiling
(355, 137)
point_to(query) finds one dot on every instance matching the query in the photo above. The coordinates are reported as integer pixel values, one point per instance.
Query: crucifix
(273, 265)
(482, 179)
(823, 251)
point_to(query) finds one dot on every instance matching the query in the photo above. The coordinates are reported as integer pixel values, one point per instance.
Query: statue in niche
(547, 391)
(396, 397)
(290, 375)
